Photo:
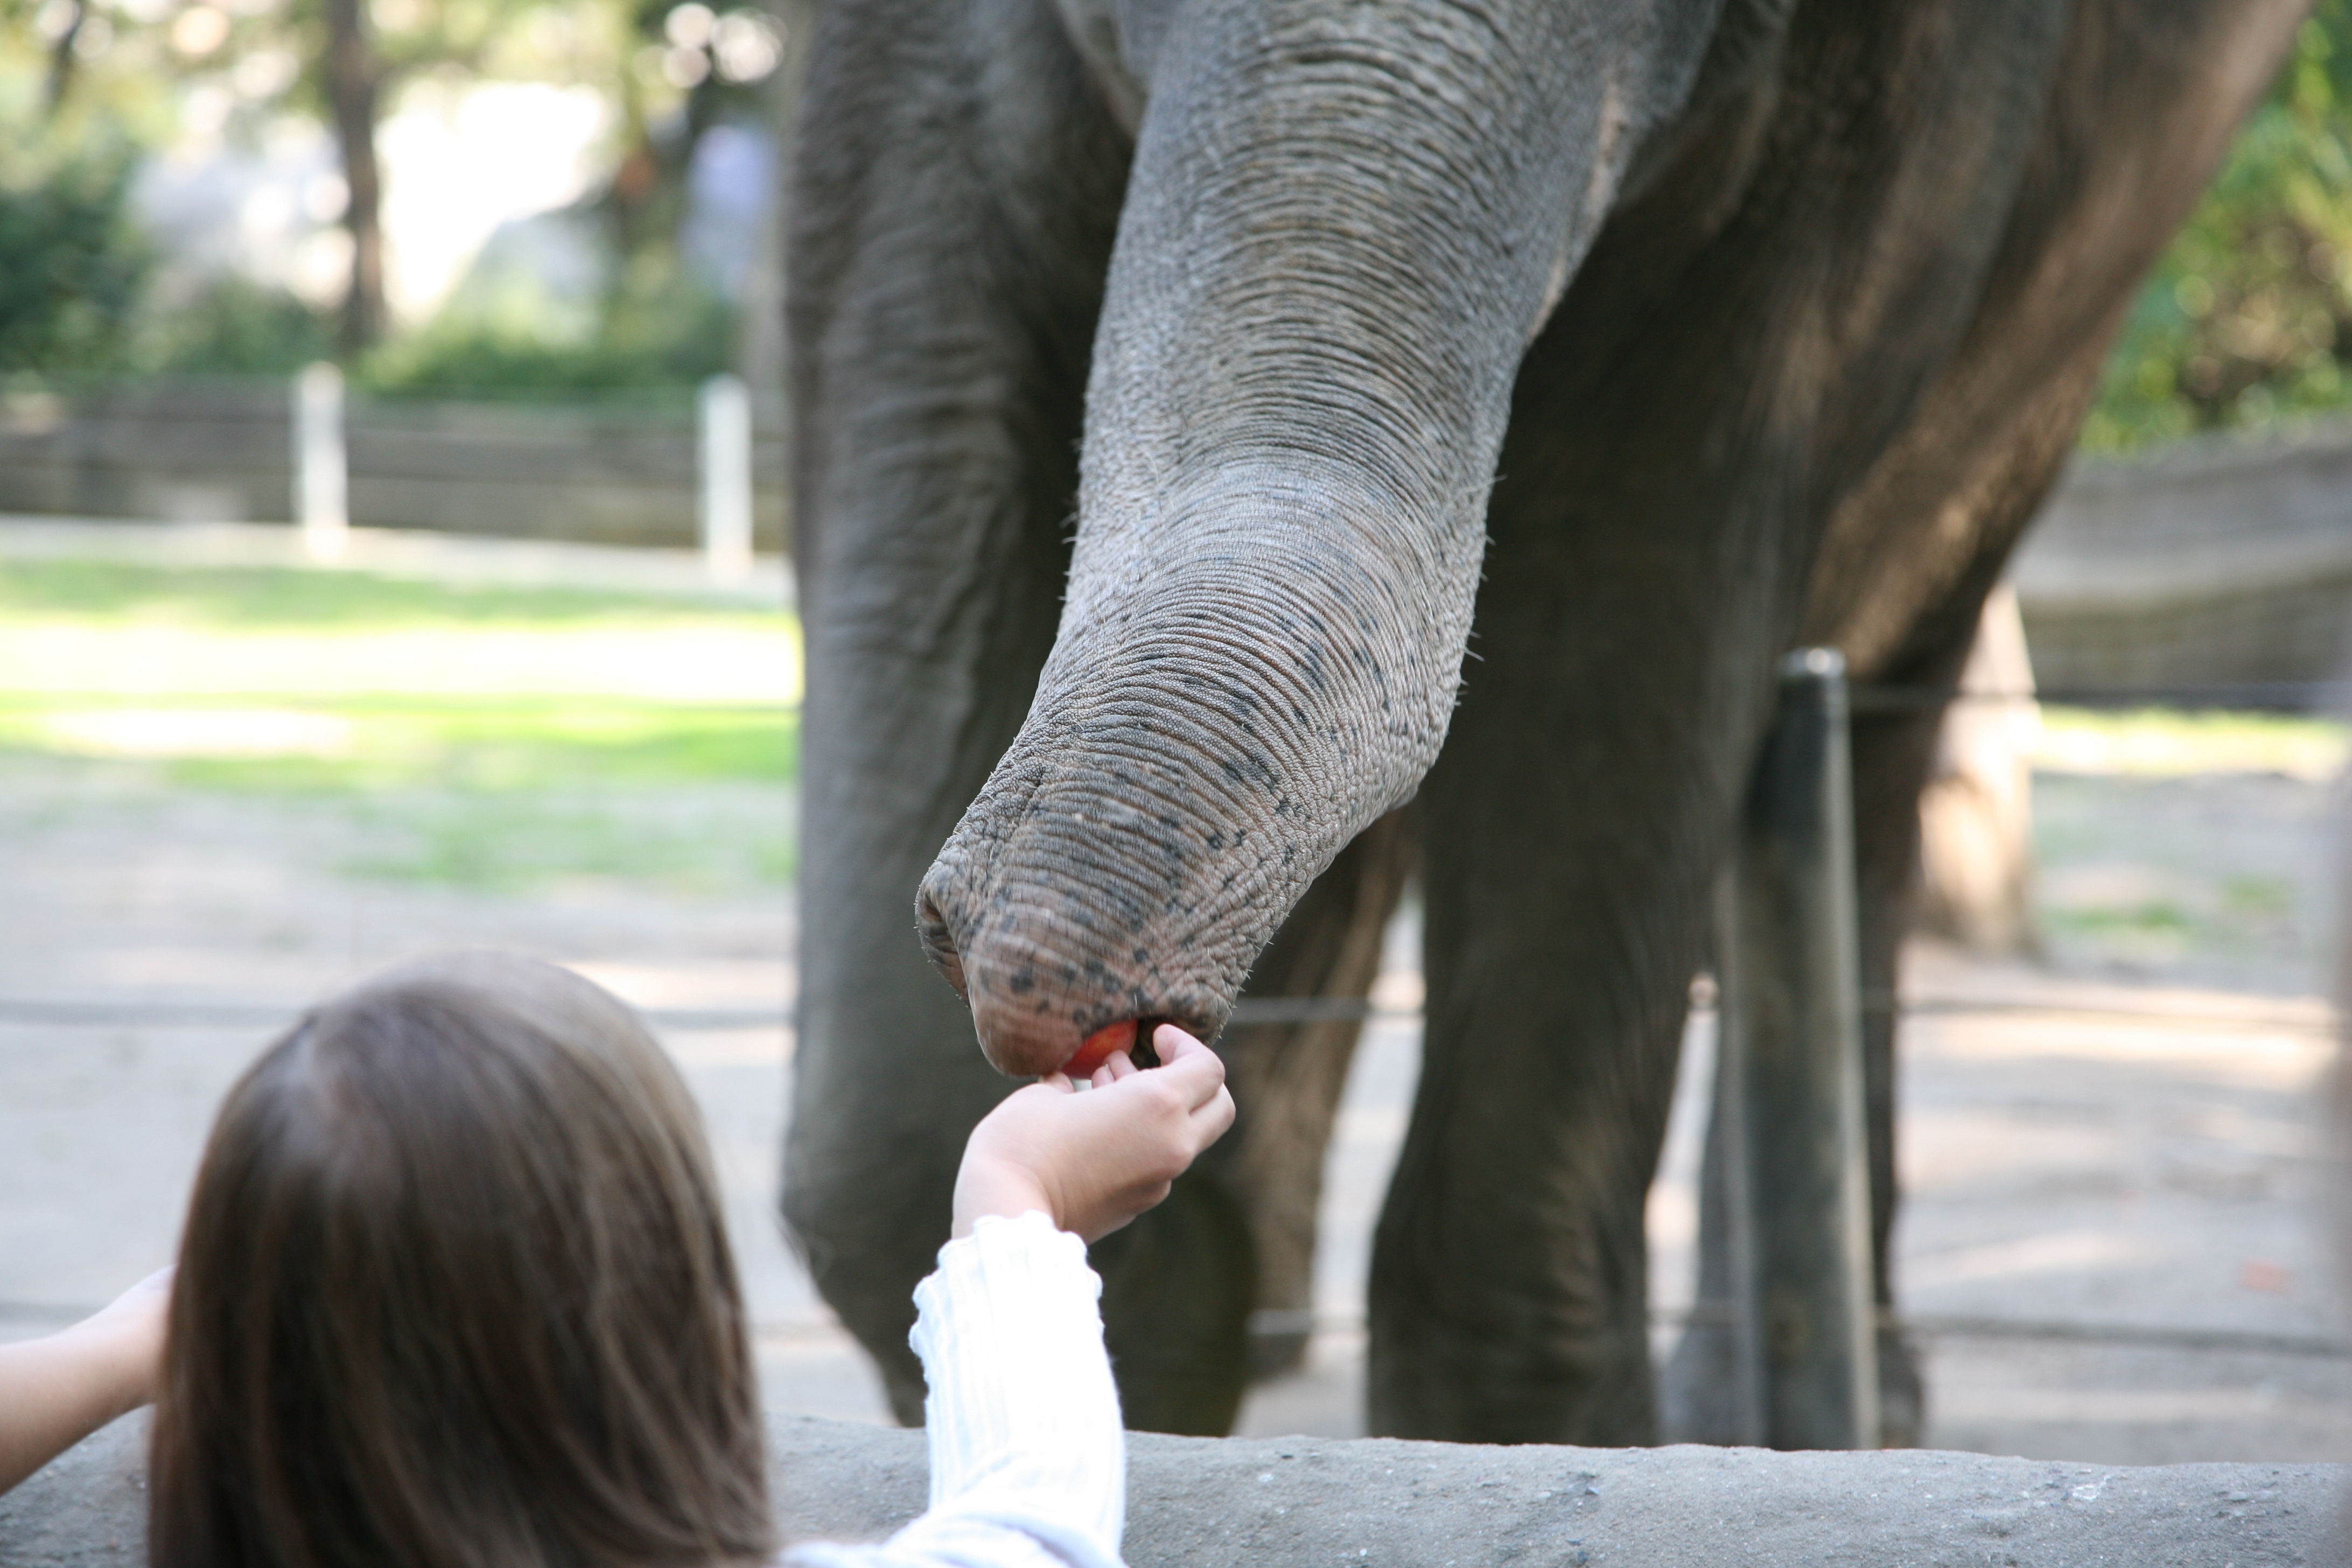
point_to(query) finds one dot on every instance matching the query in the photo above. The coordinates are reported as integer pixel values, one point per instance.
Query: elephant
(1249, 454)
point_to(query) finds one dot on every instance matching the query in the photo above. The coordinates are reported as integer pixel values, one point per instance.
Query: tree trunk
(761, 351)
(354, 85)
(61, 61)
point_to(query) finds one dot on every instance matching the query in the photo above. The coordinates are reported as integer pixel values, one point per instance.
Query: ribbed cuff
(1023, 1414)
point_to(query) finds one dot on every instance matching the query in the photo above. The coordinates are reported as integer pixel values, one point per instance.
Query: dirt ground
(2118, 1138)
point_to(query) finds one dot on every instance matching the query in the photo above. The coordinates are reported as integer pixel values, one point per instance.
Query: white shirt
(1028, 1459)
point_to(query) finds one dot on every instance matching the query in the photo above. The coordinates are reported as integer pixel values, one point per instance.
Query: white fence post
(724, 421)
(322, 472)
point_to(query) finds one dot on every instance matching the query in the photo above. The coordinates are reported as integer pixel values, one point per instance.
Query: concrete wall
(1208, 1503)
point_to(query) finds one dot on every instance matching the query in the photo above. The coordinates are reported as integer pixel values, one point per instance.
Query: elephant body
(1614, 345)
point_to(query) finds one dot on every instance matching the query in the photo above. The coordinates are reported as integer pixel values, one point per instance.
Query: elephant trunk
(1343, 226)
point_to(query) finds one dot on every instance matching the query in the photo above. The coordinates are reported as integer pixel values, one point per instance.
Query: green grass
(498, 791)
(484, 746)
(2209, 877)
(507, 800)
(2160, 741)
(703, 840)
(2255, 897)
(278, 598)
(2154, 919)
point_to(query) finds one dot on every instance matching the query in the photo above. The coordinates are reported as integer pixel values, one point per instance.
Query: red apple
(1100, 1046)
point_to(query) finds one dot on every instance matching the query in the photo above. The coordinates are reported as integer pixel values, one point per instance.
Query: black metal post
(1795, 1187)
(1716, 1383)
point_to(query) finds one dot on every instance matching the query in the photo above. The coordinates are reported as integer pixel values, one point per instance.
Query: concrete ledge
(1205, 1504)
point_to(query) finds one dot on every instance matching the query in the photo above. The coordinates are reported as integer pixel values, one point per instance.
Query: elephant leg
(1290, 1075)
(946, 269)
(1894, 750)
(1570, 828)
(1895, 741)
(1216, 1286)
(1911, 553)
(1698, 469)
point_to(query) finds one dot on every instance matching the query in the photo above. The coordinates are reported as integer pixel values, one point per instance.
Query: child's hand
(1092, 1162)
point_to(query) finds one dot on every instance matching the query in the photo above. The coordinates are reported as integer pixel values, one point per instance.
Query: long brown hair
(454, 1290)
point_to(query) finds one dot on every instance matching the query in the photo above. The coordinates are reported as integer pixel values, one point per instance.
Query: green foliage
(233, 326)
(72, 267)
(84, 295)
(658, 342)
(89, 87)
(2248, 318)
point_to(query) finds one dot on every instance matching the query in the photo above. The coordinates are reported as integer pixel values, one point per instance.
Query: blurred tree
(232, 326)
(75, 75)
(2247, 317)
(357, 54)
(342, 61)
(663, 323)
(761, 360)
(61, 53)
(674, 68)
(192, 73)
(658, 345)
(692, 68)
(72, 268)
(351, 76)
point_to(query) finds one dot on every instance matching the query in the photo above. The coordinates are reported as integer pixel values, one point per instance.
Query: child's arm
(55, 1391)
(1028, 1456)
(1028, 1459)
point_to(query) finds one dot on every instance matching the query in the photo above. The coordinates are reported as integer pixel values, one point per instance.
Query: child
(454, 1289)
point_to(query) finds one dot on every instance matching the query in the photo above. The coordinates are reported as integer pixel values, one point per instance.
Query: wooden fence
(2217, 564)
(222, 451)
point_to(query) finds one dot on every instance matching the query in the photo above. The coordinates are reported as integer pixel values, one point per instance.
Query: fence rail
(2250, 696)
(224, 452)
(1945, 1326)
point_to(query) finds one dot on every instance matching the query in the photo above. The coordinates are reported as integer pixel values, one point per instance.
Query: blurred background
(484, 636)
(491, 198)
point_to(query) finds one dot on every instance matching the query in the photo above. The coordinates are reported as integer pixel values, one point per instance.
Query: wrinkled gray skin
(1623, 344)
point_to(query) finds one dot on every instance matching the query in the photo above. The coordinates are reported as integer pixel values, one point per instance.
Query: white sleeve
(1028, 1459)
